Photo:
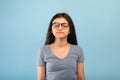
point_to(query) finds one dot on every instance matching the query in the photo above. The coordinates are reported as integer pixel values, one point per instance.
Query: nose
(60, 27)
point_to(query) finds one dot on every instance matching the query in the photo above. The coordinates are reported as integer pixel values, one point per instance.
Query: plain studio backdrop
(23, 27)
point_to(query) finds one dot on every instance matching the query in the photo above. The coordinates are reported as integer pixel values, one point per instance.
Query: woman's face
(60, 28)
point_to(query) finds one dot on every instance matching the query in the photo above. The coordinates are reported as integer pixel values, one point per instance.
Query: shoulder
(43, 49)
(76, 47)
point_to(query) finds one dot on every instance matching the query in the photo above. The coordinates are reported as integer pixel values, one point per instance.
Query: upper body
(57, 68)
(61, 58)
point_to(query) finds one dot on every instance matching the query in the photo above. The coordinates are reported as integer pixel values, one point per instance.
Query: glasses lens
(64, 25)
(55, 25)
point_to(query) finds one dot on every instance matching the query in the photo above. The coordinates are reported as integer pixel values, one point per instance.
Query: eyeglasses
(56, 25)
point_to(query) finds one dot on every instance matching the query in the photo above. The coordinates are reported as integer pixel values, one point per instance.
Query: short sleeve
(40, 58)
(80, 55)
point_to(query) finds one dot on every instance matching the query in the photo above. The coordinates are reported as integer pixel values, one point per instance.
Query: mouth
(59, 32)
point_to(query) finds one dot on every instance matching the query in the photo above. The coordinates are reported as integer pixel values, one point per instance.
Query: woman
(61, 58)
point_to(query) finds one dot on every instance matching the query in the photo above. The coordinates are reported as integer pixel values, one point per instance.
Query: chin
(61, 37)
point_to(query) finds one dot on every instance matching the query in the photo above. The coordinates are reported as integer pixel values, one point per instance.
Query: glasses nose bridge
(60, 26)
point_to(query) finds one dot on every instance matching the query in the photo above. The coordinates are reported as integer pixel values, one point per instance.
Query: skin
(61, 46)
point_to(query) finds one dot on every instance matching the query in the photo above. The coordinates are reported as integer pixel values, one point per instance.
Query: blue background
(23, 27)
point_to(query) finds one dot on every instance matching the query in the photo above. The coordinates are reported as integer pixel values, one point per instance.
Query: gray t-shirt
(60, 69)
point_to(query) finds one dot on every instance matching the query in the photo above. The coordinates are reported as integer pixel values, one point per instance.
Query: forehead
(60, 20)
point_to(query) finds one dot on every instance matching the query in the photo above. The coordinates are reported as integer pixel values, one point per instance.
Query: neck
(60, 42)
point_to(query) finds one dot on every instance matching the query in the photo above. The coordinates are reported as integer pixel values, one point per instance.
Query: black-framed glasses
(56, 25)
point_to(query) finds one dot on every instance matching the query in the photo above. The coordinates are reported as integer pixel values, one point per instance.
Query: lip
(59, 32)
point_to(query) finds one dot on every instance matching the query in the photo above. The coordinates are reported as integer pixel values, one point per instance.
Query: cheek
(68, 31)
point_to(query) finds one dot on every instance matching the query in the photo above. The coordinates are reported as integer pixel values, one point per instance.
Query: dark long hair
(72, 39)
